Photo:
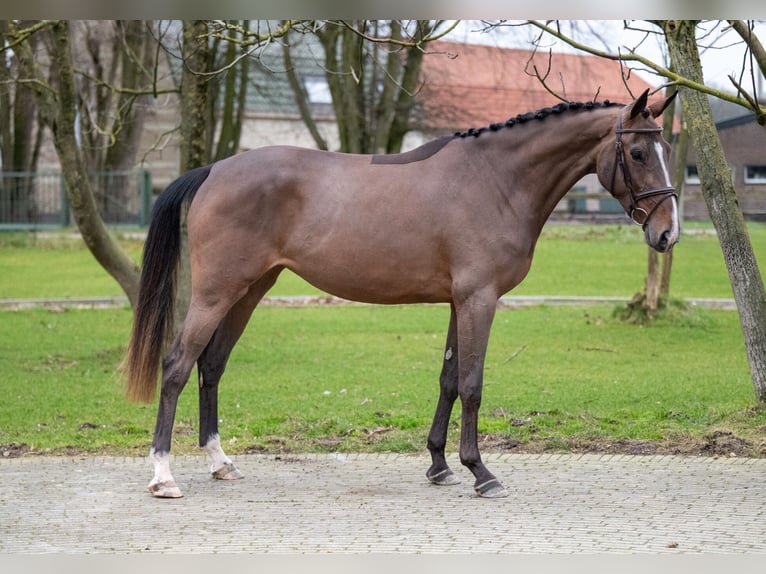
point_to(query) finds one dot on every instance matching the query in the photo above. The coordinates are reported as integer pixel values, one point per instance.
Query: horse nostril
(664, 241)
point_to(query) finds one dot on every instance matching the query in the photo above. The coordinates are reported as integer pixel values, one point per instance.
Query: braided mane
(540, 114)
(428, 149)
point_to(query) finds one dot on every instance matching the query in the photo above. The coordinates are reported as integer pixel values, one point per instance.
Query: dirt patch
(722, 443)
(715, 444)
(13, 450)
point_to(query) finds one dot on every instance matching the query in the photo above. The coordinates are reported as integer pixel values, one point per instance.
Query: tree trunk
(194, 143)
(657, 284)
(133, 50)
(59, 109)
(400, 123)
(301, 97)
(20, 130)
(721, 200)
(680, 149)
(652, 284)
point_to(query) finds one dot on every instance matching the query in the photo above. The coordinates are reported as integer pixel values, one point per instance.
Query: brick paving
(358, 504)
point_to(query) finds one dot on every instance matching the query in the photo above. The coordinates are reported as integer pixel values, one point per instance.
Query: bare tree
(720, 197)
(372, 69)
(20, 131)
(88, 107)
(227, 94)
(114, 70)
(57, 101)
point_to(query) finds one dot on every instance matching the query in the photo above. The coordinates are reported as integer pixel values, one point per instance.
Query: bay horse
(453, 221)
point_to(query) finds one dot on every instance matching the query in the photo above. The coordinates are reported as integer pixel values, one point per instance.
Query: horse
(454, 221)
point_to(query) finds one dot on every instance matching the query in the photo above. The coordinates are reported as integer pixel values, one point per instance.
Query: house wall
(743, 144)
(259, 131)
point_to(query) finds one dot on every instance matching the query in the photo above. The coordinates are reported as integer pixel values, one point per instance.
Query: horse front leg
(440, 473)
(474, 320)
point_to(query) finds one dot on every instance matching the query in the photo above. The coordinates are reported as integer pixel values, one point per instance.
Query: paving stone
(369, 503)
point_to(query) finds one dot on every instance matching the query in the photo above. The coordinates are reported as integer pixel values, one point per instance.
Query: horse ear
(657, 108)
(640, 104)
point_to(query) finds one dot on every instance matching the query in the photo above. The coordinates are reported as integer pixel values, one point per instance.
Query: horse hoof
(491, 489)
(228, 472)
(167, 489)
(444, 478)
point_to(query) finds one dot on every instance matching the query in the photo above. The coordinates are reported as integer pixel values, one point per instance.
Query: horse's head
(633, 166)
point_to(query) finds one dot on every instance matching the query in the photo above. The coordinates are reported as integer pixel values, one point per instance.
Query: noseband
(635, 196)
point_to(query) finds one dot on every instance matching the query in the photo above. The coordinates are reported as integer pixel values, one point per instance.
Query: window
(317, 90)
(755, 174)
(692, 176)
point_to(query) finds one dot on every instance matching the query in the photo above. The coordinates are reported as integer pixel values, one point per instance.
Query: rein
(635, 197)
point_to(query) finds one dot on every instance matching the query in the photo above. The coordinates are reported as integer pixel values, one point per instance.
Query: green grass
(611, 260)
(584, 260)
(365, 379)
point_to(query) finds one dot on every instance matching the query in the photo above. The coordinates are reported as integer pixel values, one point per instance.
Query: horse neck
(541, 160)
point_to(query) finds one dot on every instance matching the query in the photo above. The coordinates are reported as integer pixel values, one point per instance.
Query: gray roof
(270, 91)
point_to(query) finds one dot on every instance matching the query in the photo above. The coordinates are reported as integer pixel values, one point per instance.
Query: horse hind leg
(211, 366)
(198, 327)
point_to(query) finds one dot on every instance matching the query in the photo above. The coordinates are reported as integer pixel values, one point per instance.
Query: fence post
(145, 191)
(65, 220)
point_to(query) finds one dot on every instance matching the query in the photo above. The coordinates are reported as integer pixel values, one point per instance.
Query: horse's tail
(153, 317)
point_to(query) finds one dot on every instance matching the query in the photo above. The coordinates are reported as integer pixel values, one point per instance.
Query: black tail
(156, 294)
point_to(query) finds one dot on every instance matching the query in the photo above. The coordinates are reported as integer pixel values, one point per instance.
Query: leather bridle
(635, 197)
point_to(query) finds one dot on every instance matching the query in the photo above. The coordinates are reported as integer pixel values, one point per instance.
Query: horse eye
(637, 154)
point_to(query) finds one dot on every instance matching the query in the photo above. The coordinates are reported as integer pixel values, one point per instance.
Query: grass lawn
(582, 260)
(365, 378)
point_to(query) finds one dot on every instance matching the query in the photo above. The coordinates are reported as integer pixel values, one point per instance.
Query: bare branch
(743, 92)
(745, 30)
(759, 110)
(250, 37)
(153, 91)
(626, 78)
(20, 35)
(542, 78)
(394, 41)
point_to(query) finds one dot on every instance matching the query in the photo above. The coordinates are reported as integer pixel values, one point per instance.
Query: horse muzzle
(661, 238)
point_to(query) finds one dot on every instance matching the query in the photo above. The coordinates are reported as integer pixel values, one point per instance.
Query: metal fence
(32, 200)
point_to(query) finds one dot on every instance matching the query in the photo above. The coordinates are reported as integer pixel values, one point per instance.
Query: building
(472, 85)
(463, 86)
(744, 144)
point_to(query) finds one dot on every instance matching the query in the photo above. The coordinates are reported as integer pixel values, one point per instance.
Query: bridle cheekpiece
(635, 197)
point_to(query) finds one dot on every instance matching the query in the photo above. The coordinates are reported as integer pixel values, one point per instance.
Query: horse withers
(454, 221)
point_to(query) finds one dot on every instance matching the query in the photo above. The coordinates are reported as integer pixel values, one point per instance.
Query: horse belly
(362, 268)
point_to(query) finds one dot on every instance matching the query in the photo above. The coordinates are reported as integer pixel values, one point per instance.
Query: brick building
(744, 144)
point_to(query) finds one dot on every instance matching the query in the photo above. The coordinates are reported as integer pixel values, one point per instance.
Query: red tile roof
(472, 85)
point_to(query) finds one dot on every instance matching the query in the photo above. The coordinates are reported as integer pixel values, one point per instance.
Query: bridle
(635, 197)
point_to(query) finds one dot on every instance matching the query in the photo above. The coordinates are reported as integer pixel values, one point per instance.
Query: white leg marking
(216, 454)
(222, 467)
(161, 467)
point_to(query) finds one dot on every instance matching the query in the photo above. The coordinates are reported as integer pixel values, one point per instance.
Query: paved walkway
(357, 504)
